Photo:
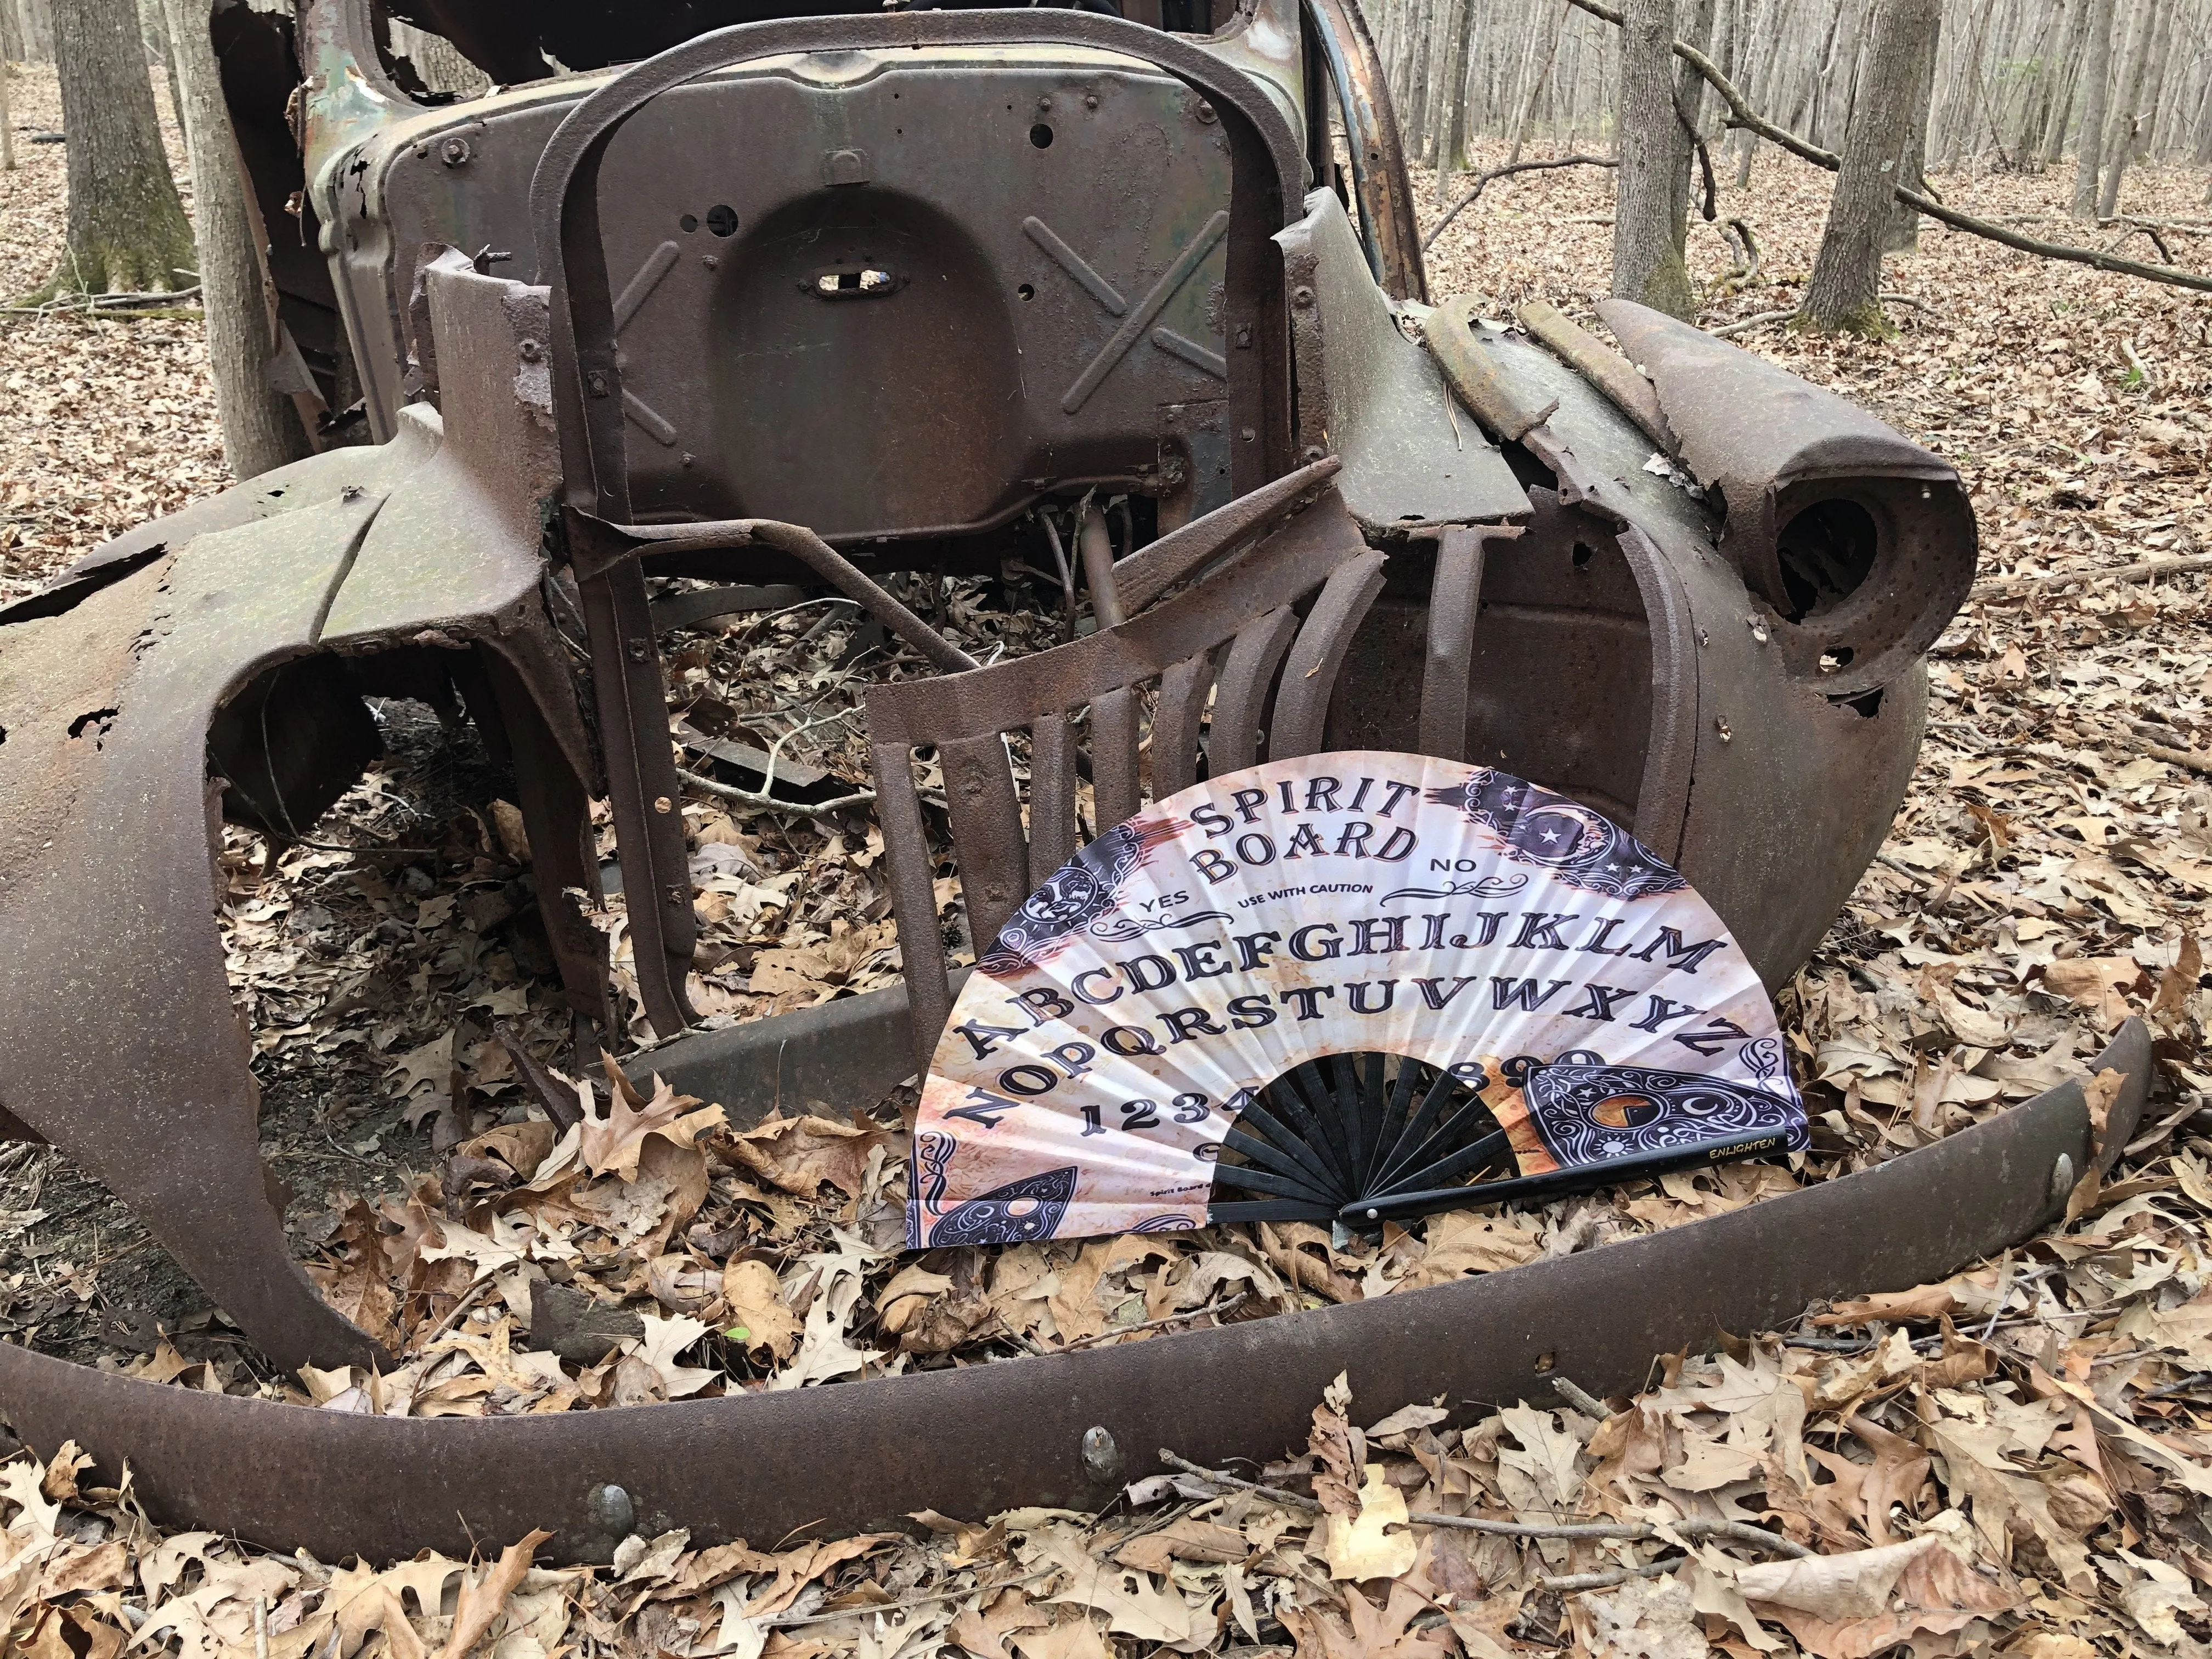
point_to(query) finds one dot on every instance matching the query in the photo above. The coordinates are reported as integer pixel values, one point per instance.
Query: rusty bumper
(975, 1440)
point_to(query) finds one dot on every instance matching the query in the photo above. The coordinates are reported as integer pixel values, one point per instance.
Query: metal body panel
(118, 1038)
(1373, 397)
(975, 1440)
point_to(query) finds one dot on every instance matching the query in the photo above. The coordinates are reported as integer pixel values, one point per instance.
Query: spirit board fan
(1344, 987)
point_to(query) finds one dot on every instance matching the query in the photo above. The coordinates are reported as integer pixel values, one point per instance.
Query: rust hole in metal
(96, 721)
(1826, 552)
(1027, 291)
(1834, 658)
(1583, 556)
(1866, 705)
(722, 220)
(854, 283)
(1041, 136)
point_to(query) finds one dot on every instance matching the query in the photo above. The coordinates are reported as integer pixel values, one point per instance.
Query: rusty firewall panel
(871, 293)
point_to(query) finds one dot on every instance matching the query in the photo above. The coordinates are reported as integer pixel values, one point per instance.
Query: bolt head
(454, 152)
(611, 1510)
(530, 350)
(1204, 112)
(1302, 297)
(1101, 1457)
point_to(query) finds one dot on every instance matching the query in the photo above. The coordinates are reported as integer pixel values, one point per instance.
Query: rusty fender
(1068, 1429)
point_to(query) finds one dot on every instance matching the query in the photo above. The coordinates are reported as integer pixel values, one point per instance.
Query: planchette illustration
(1345, 987)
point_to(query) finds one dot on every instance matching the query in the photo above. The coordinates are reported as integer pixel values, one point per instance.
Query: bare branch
(1484, 178)
(1742, 115)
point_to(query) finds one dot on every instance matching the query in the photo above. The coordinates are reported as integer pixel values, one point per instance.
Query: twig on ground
(1739, 1531)
(2143, 570)
(1482, 181)
(1581, 1398)
(773, 803)
(1236, 1301)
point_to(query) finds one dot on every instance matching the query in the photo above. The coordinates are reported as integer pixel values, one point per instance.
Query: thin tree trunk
(2089, 151)
(1695, 28)
(261, 429)
(127, 230)
(2070, 88)
(1451, 155)
(2119, 133)
(154, 29)
(1904, 230)
(1847, 272)
(7, 123)
(1647, 266)
(2162, 54)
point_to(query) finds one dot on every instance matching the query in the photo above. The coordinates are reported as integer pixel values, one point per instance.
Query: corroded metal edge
(975, 1440)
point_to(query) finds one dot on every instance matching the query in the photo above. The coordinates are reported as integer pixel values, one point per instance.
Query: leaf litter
(2015, 1457)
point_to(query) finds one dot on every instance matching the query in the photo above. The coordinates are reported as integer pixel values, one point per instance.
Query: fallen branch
(1740, 1532)
(1741, 114)
(1997, 587)
(1217, 1309)
(775, 802)
(2194, 759)
(1745, 325)
(1482, 180)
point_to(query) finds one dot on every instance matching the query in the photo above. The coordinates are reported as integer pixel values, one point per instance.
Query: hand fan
(1342, 986)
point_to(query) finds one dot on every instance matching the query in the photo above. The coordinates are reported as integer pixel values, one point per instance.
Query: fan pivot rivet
(2062, 1179)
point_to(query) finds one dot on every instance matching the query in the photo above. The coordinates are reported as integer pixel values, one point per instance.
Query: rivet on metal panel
(1101, 1456)
(1758, 628)
(596, 382)
(1721, 725)
(662, 804)
(640, 649)
(678, 896)
(690, 459)
(1250, 434)
(845, 167)
(1090, 100)
(531, 350)
(1244, 336)
(1044, 103)
(611, 1510)
(713, 262)
(1315, 453)
(454, 152)
(1302, 298)
(2062, 1179)
(1204, 112)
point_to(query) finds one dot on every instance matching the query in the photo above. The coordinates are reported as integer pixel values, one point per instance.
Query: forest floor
(2015, 1459)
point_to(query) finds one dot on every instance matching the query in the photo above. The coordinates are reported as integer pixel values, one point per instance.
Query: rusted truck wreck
(811, 298)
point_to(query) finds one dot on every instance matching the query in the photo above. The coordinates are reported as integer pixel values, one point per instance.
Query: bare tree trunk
(7, 123)
(127, 230)
(2089, 151)
(1451, 151)
(1695, 28)
(2062, 107)
(1847, 272)
(1903, 229)
(2162, 54)
(1647, 265)
(2119, 131)
(261, 429)
(154, 29)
